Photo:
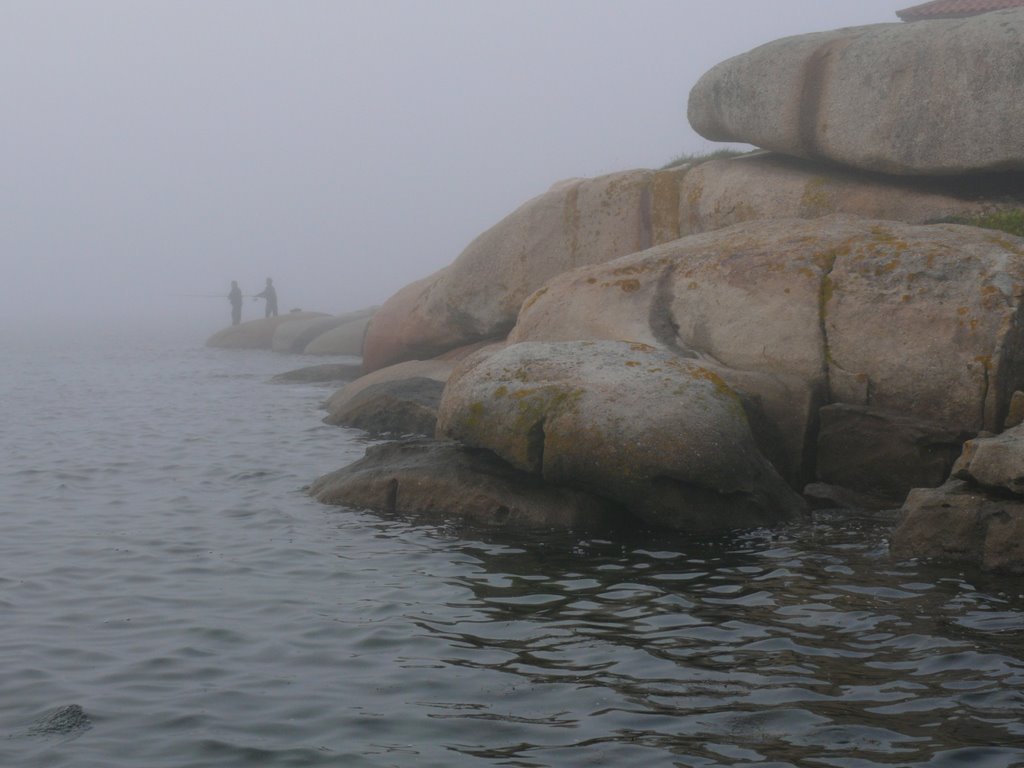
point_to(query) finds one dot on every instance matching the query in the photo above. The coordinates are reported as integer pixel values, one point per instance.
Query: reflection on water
(170, 597)
(808, 647)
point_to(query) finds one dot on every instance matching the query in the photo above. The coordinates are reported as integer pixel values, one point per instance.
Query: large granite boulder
(443, 481)
(659, 434)
(257, 334)
(344, 339)
(581, 221)
(919, 320)
(766, 185)
(941, 97)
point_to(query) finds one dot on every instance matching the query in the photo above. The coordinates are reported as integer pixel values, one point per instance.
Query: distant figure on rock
(270, 295)
(235, 297)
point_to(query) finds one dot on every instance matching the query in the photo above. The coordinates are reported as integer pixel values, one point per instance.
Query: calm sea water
(161, 569)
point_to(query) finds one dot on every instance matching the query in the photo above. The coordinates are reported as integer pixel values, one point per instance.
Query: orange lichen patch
(628, 286)
(1009, 245)
(886, 267)
(633, 363)
(883, 234)
(692, 285)
(639, 346)
(501, 391)
(631, 269)
(719, 383)
(826, 259)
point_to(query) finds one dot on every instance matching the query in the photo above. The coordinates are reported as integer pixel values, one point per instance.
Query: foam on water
(162, 570)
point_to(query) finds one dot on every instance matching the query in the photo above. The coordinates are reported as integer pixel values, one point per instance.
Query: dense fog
(156, 150)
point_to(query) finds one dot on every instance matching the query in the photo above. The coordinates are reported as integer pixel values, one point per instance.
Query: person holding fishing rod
(235, 297)
(270, 295)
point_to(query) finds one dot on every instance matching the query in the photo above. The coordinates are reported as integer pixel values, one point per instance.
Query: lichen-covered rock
(961, 523)
(444, 481)
(942, 97)
(659, 434)
(256, 334)
(758, 186)
(920, 320)
(581, 221)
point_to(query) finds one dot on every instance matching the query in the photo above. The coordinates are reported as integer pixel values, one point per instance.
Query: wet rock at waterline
(960, 522)
(328, 372)
(444, 481)
(398, 407)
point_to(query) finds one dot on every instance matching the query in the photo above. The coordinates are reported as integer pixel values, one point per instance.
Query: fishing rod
(208, 295)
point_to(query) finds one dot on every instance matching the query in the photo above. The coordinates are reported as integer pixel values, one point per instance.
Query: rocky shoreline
(728, 344)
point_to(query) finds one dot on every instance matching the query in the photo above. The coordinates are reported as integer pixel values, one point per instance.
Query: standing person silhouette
(235, 297)
(270, 295)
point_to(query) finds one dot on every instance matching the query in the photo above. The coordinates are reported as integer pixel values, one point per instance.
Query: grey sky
(343, 148)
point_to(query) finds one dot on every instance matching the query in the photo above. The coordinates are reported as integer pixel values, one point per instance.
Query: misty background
(155, 150)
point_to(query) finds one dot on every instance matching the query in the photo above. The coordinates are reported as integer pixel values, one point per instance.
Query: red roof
(951, 9)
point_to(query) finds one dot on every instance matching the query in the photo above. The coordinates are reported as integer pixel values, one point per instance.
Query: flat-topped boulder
(767, 185)
(937, 97)
(257, 334)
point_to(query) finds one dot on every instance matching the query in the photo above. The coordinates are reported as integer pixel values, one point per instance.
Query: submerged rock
(940, 97)
(63, 721)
